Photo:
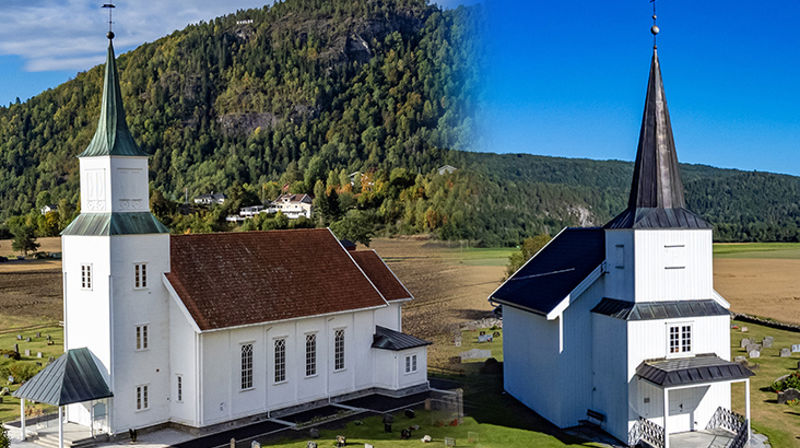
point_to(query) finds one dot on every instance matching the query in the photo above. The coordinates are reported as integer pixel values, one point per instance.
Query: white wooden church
(203, 330)
(620, 326)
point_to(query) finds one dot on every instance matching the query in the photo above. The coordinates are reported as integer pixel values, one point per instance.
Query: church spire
(112, 137)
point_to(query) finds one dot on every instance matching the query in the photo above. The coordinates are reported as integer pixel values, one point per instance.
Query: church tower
(114, 255)
(657, 250)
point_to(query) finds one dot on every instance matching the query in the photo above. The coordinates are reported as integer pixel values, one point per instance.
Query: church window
(311, 354)
(142, 337)
(86, 276)
(680, 339)
(619, 256)
(338, 350)
(280, 360)
(140, 275)
(247, 366)
(179, 384)
(411, 363)
(142, 399)
(675, 256)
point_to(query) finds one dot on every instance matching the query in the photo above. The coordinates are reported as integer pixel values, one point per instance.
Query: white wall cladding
(673, 265)
(647, 339)
(690, 408)
(184, 349)
(620, 270)
(114, 184)
(609, 370)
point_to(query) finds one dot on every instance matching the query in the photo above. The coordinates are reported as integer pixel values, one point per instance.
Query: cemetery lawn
(488, 435)
(757, 250)
(9, 408)
(779, 422)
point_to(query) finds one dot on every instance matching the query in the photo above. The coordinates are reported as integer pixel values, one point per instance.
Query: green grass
(477, 256)
(9, 408)
(757, 250)
(779, 422)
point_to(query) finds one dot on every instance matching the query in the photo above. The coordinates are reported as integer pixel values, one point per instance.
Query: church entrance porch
(684, 402)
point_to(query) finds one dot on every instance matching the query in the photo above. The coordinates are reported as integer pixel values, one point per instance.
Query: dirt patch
(761, 287)
(35, 294)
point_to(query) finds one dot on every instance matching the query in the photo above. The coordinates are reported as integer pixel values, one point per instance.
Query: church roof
(112, 137)
(550, 275)
(656, 198)
(234, 279)
(384, 279)
(72, 378)
(622, 309)
(106, 224)
(388, 339)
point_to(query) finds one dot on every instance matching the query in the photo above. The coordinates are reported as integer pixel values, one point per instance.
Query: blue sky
(568, 79)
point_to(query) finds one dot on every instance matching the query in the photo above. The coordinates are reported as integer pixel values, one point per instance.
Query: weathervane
(654, 29)
(110, 7)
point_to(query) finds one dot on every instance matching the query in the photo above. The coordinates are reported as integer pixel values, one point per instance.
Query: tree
(528, 249)
(5, 442)
(24, 239)
(356, 226)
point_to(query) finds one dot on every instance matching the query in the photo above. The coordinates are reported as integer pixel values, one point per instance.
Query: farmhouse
(292, 205)
(204, 330)
(621, 325)
(210, 198)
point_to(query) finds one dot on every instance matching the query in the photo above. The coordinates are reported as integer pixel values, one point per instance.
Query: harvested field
(30, 298)
(50, 244)
(760, 286)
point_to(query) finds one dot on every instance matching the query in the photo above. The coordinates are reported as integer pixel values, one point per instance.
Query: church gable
(234, 279)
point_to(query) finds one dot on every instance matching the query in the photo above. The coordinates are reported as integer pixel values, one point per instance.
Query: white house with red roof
(201, 330)
(292, 205)
(620, 326)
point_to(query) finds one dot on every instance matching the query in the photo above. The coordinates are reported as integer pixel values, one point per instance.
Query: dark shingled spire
(112, 137)
(656, 199)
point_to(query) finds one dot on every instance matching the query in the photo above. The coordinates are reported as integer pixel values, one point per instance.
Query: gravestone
(368, 445)
(16, 348)
(19, 337)
(449, 441)
(785, 353)
(788, 395)
(767, 342)
(314, 433)
(38, 354)
(475, 353)
(28, 339)
(233, 442)
(752, 347)
(38, 334)
(485, 338)
(11, 379)
(255, 444)
(755, 354)
(311, 444)
(426, 439)
(795, 348)
(496, 334)
(27, 352)
(457, 341)
(51, 358)
(745, 342)
(744, 329)
(49, 338)
(740, 359)
(5, 391)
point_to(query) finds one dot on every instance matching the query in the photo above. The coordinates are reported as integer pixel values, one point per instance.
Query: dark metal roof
(106, 224)
(656, 199)
(72, 378)
(387, 339)
(557, 269)
(707, 368)
(625, 310)
(112, 138)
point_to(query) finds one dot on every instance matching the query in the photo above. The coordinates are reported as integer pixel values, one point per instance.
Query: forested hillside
(299, 95)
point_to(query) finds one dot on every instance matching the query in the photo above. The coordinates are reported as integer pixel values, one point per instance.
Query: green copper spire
(112, 137)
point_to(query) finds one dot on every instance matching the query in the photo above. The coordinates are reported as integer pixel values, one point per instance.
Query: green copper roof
(106, 224)
(112, 137)
(72, 378)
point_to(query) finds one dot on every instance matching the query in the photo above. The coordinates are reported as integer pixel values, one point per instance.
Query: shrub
(791, 381)
(23, 371)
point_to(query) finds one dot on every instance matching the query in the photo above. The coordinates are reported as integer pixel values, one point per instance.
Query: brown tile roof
(380, 274)
(232, 279)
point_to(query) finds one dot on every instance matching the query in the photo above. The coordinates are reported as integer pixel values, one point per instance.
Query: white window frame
(246, 371)
(410, 364)
(140, 275)
(87, 274)
(142, 337)
(336, 351)
(179, 388)
(682, 341)
(311, 355)
(279, 360)
(142, 397)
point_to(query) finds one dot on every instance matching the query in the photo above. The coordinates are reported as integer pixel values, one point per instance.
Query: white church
(620, 326)
(202, 330)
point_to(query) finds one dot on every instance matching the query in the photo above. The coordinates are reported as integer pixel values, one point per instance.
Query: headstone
(750, 348)
(788, 395)
(5, 391)
(476, 353)
(785, 353)
(449, 441)
(19, 337)
(233, 442)
(795, 348)
(767, 342)
(415, 427)
(409, 413)
(28, 339)
(38, 334)
(483, 333)
(405, 434)
(745, 342)
(755, 354)
(740, 359)
(27, 352)
(255, 444)
(744, 329)
(485, 338)
(51, 358)
(368, 445)
(49, 338)
(311, 444)
(496, 334)
(457, 341)
(16, 348)
(313, 433)
(426, 439)
(38, 354)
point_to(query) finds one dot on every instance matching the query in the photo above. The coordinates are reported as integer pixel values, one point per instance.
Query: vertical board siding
(610, 386)
(659, 254)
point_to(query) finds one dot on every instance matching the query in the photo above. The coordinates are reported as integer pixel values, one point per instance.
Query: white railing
(730, 421)
(646, 431)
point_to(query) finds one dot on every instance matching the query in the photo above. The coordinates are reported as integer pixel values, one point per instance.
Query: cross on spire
(110, 7)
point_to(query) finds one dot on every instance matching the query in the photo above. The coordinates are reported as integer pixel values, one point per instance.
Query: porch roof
(388, 339)
(706, 368)
(72, 378)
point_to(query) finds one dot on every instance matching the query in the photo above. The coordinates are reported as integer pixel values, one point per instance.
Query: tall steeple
(112, 137)
(656, 199)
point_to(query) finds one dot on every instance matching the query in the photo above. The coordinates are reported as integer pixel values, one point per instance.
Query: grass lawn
(779, 422)
(9, 408)
(477, 256)
(757, 250)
